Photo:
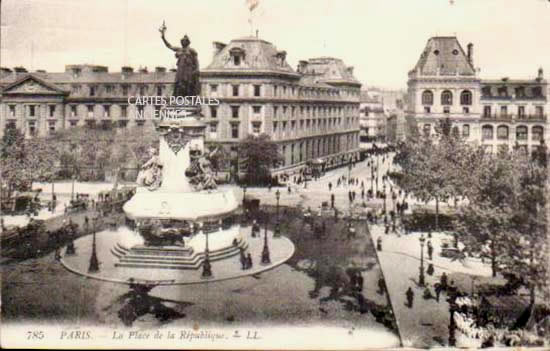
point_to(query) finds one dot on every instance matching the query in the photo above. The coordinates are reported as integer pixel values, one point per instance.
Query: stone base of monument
(224, 266)
(171, 257)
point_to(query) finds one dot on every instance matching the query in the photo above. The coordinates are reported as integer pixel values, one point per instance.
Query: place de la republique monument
(181, 228)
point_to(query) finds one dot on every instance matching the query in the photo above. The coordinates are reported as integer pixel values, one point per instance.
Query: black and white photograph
(274, 174)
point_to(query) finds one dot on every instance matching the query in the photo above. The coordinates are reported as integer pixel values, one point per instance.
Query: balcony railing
(515, 117)
(511, 97)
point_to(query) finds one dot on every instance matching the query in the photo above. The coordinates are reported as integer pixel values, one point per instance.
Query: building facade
(373, 117)
(494, 113)
(312, 113)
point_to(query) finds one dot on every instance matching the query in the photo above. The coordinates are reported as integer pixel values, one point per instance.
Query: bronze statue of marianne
(187, 76)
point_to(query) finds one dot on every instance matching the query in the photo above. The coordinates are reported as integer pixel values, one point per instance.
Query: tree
(12, 161)
(485, 224)
(505, 218)
(433, 167)
(258, 154)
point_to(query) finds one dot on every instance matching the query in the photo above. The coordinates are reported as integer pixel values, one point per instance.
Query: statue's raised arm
(162, 31)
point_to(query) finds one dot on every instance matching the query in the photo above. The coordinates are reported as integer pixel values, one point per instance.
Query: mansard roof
(257, 55)
(444, 56)
(330, 70)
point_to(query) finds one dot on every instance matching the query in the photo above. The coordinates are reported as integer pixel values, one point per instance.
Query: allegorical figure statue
(187, 75)
(150, 174)
(200, 172)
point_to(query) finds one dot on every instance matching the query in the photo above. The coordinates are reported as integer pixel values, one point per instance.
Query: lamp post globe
(421, 275)
(265, 252)
(277, 231)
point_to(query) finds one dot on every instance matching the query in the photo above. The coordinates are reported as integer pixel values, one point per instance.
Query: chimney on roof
(100, 69)
(302, 66)
(350, 69)
(218, 47)
(20, 69)
(40, 71)
(143, 70)
(471, 53)
(540, 75)
(127, 70)
(160, 69)
(173, 70)
(5, 70)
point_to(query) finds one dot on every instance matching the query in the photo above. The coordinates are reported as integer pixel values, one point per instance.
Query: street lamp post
(372, 178)
(265, 252)
(277, 232)
(349, 170)
(206, 266)
(244, 194)
(384, 189)
(94, 262)
(421, 275)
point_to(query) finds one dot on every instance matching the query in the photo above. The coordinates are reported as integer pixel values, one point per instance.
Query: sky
(382, 39)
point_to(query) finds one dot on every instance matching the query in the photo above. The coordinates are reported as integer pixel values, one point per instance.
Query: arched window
(427, 98)
(446, 98)
(466, 97)
(502, 132)
(537, 133)
(521, 133)
(466, 130)
(487, 132)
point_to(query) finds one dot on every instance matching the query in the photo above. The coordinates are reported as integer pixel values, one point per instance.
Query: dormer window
(237, 56)
(76, 72)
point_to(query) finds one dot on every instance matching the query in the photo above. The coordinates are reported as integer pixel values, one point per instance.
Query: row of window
(258, 90)
(307, 124)
(446, 110)
(278, 111)
(447, 97)
(504, 111)
(519, 92)
(287, 91)
(503, 132)
(317, 148)
(537, 132)
(125, 89)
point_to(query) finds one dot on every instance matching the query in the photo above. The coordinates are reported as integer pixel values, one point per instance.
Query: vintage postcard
(274, 174)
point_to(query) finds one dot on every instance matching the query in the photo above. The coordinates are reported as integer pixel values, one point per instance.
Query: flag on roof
(252, 4)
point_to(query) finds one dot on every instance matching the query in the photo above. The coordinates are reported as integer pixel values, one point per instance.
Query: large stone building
(495, 113)
(373, 117)
(311, 112)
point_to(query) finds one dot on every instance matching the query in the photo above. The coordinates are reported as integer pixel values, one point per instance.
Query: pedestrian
(379, 243)
(410, 297)
(430, 269)
(386, 229)
(362, 194)
(331, 200)
(437, 288)
(443, 281)
(249, 261)
(359, 282)
(329, 186)
(430, 249)
(242, 259)
(381, 285)
(289, 190)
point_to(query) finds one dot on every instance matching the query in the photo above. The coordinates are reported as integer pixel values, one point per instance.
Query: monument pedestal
(172, 215)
